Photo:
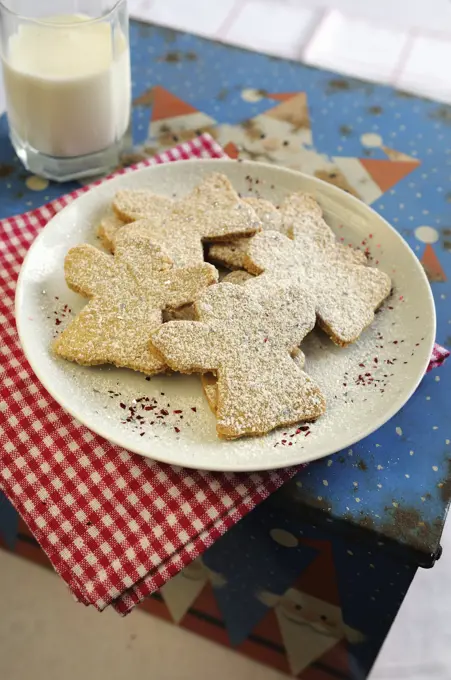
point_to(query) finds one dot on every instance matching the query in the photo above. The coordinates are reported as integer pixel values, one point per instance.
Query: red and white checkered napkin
(438, 356)
(115, 526)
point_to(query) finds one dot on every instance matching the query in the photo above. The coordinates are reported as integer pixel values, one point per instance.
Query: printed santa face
(270, 140)
(309, 627)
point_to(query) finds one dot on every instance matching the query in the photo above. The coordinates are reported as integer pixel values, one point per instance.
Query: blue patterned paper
(403, 471)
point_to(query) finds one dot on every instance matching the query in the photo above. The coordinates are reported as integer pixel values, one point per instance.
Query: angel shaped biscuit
(245, 336)
(213, 211)
(295, 208)
(209, 380)
(130, 205)
(346, 292)
(303, 216)
(127, 293)
(232, 254)
(108, 227)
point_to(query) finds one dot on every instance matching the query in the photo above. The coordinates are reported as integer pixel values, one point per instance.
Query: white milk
(67, 93)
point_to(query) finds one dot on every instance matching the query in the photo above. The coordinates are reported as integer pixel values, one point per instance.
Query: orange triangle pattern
(144, 99)
(319, 579)
(231, 150)
(314, 673)
(210, 623)
(156, 607)
(387, 173)
(167, 105)
(293, 110)
(282, 96)
(268, 629)
(272, 654)
(206, 602)
(432, 265)
(337, 657)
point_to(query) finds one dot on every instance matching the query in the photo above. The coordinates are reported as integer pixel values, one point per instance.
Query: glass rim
(43, 22)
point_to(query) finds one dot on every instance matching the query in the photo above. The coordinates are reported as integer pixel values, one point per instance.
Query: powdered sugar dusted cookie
(298, 357)
(303, 215)
(137, 204)
(346, 292)
(210, 387)
(210, 382)
(238, 277)
(245, 335)
(185, 313)
(108, 228)
(213, 211)
(111, 223)
(299, 207)
(127, 295)
(232, 254)
(269, 215)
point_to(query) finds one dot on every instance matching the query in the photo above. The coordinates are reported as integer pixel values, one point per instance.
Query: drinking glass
(66, 67)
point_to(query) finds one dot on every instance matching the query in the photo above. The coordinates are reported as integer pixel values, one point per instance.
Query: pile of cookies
(155, 305)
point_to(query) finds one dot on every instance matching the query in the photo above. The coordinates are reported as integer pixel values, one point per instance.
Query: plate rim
(254, 466)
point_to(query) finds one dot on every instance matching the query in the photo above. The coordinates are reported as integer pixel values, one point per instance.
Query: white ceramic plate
(365, 384)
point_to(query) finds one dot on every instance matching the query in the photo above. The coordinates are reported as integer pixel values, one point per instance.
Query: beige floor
(44, 634)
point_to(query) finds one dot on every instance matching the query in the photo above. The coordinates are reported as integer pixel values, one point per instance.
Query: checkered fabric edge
(115, 526)
(438, 356)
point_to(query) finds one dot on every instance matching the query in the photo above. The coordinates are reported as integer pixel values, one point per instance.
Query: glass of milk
(66, 67)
